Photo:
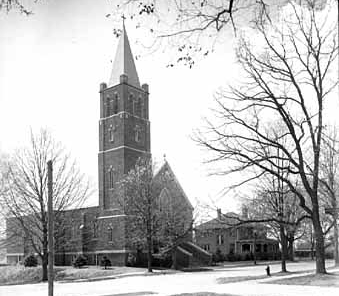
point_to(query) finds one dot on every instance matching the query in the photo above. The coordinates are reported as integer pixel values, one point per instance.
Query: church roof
(165, 167)
(124, 63)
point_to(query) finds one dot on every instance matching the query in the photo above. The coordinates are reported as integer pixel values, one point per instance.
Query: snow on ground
(182, 282)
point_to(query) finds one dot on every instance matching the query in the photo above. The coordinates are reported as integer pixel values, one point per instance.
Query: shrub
(131, 260)
(219, 256)
(80, 261)
(30, 261)
(105, 262)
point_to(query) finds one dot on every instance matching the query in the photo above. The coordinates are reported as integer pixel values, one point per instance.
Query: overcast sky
(51, 65)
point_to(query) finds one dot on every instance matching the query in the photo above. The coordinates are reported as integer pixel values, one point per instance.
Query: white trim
(109, 251)
(122, 112)
(120, 147)
(112, 216)
(198, 248)
(14, 254)
(185, 251)
(95, 252)
(70, 253)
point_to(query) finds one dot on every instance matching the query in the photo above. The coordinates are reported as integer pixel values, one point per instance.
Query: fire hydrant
(268, 271)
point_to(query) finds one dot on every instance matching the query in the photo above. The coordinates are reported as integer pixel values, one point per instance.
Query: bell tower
(124, 127)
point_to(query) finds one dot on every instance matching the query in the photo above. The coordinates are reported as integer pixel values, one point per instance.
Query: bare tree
(288, 79)
(158, 217)
(275, 203)
(192, 28)
(137, 196)
(24, 196)
(8, 5)
(329, 181)
(175, 216)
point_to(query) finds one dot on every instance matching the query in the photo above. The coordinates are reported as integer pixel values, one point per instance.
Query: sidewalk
(121, 275)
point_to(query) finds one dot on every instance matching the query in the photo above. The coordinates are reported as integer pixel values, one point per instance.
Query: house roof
(124, 63)
(224, 222)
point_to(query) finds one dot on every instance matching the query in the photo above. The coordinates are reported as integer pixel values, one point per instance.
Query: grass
(322, 280)
(13, 275)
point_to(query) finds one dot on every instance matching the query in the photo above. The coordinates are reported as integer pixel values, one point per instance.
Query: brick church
(124, 136)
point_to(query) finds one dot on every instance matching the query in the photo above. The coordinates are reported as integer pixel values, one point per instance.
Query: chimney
(219, 213)
(244, 212)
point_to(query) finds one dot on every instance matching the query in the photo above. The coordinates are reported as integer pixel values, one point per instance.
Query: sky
(51, 65)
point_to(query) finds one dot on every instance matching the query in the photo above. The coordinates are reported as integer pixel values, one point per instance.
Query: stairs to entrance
(192, 255)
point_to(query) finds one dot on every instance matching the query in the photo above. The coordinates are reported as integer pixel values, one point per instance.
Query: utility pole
(50, 228)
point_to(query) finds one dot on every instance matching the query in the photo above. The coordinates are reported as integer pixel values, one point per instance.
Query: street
(181, 282)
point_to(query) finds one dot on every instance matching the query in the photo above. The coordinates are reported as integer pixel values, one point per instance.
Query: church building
(124, 137)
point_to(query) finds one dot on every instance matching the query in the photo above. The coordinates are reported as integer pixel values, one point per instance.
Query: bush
(80, 261)
(131, 260)
(105, 262)
(30, 261)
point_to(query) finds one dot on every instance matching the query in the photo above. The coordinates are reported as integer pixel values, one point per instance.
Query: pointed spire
(124, 62)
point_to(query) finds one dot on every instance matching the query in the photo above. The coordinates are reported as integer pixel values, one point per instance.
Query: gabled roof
(224, 222)
(124, 63)
(166, 167)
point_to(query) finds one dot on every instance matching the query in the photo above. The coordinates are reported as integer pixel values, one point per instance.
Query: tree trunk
(284, 251)
(312, 244)
(149, 254)
(335, 231)
(44, 262)
(319, 245)
(44, 255)
(174, 258)
(335, 237)
(290, 247)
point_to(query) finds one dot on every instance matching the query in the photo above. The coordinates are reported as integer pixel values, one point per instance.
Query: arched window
(139, 107)
(142, 113)
(111, 130)
(137, 133)
(95, 229)
(110, 178)
(110, 233)
(108, 107)
(134, 107)
(115, 103)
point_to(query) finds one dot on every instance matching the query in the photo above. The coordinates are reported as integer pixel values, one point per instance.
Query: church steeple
(124, 127)
(124, 63)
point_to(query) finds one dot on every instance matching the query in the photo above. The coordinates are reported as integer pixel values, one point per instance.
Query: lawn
(11, 275)
(322, 280)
